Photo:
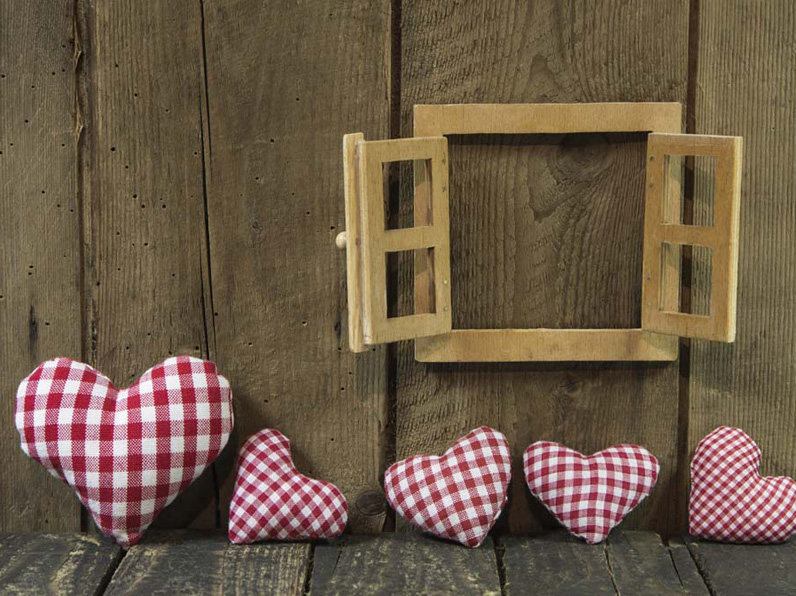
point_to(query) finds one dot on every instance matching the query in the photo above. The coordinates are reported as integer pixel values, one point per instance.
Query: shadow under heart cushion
(127, 453)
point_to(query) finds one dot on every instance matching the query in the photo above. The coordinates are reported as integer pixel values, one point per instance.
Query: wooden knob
(341, 240)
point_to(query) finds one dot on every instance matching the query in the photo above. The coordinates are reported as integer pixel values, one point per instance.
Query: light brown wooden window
(367, 240)
(662, 230)
(371, 242)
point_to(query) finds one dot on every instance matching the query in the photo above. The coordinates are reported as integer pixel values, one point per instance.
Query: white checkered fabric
(589, 495)
(458, 495)
(273, 501)
(127, 453)
(730, 501)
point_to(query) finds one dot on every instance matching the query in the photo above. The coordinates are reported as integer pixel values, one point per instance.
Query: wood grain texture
(746, 569)
(284, 86)
(546, 230)
(547, 345)
(687, 570)
(62, 564)
(641, 564)
(146, 257)
(40, 302)
(555, 564)
(432, 313)
(403, 564)
(747, 87)
(721, 237)
(628, 563)
(190, 562)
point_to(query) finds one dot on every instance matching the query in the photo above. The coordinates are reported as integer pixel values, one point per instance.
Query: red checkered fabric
(127, 453)
(589, 495)
(730, 501)
(459, 495)
(273, 501)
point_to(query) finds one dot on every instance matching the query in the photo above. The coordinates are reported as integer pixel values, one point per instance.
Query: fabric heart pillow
(273, 501)
(127, 453)
(459, 495)
(730, 501)
(589, 495)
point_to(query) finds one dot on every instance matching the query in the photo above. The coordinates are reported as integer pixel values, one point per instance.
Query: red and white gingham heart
(589, 495)
(127, 453)
(730, 501)
(458, 495)
(273, 501)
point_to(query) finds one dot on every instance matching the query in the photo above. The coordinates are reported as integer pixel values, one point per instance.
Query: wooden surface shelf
(204, 562)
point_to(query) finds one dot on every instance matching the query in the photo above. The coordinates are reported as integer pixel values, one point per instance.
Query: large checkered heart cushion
(458, 495)
(273, 501)
(127, 453)
(730, 501)
(589, 495)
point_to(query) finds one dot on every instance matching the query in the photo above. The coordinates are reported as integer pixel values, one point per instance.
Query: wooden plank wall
(546, 230)
(40, 267)
(283, 86)
(142, 190)
(171, 182)
(746, 85)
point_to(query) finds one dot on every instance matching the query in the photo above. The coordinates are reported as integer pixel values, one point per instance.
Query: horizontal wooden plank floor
(196, 562)
(56, 563)
(404, 564)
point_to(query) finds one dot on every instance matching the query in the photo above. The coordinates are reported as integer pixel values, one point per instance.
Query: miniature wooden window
(369, 241)
(664, 234)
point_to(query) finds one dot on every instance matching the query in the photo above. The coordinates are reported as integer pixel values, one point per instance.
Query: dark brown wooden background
(171, 183)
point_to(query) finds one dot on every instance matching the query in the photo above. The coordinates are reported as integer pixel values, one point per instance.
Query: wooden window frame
(545, 345)
(369, 241)
(721, 237)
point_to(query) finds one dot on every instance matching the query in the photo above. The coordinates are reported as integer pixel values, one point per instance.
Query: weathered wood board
(191, 562)
(686, 567)
(628, 563)
(403, 564)
(747, 86)
(555, 564)
(63, 564)
(642, 564)
(146, 267)
(40, 268)
(746, 569)
(546, 230)
(283, 88)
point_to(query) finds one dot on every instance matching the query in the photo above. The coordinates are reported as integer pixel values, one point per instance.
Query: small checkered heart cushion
(730, 501)
(273, 501)
(459, 495)
(127, 453)
(589, 495)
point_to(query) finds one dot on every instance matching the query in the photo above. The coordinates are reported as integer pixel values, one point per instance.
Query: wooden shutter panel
(368, 242)
(661, 281)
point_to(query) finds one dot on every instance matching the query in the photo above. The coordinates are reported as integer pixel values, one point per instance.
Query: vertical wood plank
(283, 87)
(143, 192)
(39, 239)
(546, 231)
(746, 79)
